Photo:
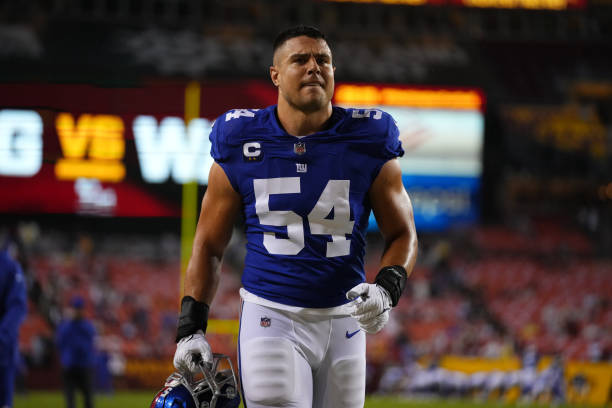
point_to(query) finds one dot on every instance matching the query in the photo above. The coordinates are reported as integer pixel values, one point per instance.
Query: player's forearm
(201, 281)
(202, 276)
(401, 250)
(14, 310)
(14, 315)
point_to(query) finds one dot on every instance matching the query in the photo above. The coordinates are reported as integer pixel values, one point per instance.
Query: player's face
(304, 74)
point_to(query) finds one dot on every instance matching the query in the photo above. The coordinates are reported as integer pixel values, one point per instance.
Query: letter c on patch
(251, 149)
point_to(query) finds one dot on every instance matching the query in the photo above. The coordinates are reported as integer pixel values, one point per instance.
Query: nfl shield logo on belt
(299, 148)
(265, 322)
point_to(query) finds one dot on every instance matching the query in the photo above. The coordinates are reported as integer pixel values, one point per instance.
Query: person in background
(13, 307)
(75, 338)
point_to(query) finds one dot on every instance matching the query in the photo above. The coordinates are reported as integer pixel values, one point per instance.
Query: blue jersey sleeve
(379, 133)
(218, 146)
(225, 142)
(392, 146)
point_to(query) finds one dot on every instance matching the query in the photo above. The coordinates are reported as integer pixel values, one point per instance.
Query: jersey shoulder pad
(377, 129)
(227, 130)
(374, 120)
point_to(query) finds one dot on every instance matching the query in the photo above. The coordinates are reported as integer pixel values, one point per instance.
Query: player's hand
(370, 307)
(191, 351)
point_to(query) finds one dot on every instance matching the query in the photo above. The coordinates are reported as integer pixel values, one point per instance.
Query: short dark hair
(297, 31)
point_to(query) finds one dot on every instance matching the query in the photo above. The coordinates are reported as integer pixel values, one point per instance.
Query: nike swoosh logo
(349, 335)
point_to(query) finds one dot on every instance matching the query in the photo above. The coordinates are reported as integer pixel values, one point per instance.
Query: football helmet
(216, 388)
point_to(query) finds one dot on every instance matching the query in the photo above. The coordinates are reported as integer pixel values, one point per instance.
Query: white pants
(291, 360)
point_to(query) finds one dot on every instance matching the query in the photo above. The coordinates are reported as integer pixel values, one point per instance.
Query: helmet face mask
(215, 388)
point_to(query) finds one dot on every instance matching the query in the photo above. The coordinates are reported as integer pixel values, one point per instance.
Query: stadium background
(103, 105)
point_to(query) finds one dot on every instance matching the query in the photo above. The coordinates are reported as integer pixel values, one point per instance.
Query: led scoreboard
(502, 4)
(127, 151)
(70, 148)
(442, 133)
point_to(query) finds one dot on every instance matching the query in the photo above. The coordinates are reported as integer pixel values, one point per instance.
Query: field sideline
(133, 399)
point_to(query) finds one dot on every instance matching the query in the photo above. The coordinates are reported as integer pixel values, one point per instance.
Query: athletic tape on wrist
(193, 317)
(393, 279)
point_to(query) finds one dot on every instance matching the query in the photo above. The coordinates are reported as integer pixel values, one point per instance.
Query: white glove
(191, 351)
(370, 307)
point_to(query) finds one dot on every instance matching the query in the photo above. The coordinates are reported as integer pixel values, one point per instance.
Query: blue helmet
(217, 388)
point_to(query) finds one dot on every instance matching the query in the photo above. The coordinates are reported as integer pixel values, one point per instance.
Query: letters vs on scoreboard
(94, 146)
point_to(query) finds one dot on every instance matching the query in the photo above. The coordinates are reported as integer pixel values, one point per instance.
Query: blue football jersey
(305, 199)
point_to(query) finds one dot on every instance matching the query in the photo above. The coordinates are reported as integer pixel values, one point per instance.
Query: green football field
(143, 399)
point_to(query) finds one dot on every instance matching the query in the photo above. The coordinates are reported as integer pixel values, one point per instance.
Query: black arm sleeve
(393, 279)
(193, 317)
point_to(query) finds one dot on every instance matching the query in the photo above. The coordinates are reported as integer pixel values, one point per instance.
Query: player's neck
(300, 123)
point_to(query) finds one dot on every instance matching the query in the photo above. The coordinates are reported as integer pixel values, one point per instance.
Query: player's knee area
(268, 370)
(348, 382)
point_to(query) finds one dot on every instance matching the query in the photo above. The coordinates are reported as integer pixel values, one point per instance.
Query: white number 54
(335, 196)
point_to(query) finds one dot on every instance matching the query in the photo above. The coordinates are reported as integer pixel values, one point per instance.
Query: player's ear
(274, 75)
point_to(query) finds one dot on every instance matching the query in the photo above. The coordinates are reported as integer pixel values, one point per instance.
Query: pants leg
(339, 382)
(273, 371)
(69, 387)
(85, 384)
(7, 385)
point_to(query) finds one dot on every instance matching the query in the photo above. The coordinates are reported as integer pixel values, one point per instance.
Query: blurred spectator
(104, 379)
(75, 340)
(12, 311)
(549, 385)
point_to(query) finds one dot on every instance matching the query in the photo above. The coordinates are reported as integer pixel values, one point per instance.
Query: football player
(306, 175)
